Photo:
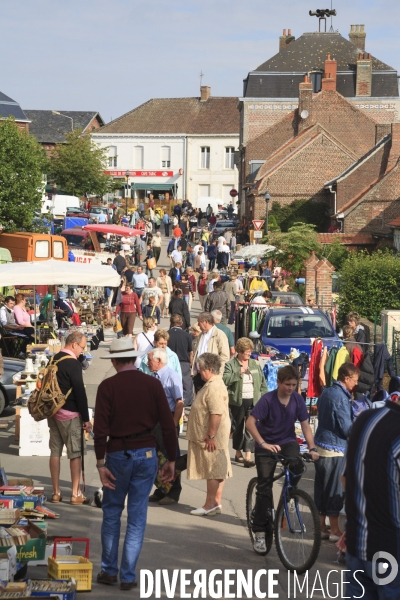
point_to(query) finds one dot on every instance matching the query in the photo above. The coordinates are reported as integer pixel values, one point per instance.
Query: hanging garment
(382, 360)
(341, 357)
(366, 380)
(330, 363)
(314, 386)
(322, 364)
(258, 284)
(357, 357)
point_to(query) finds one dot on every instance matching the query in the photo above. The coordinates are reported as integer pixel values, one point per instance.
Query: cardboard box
(71, 595)
(8, 564)
(20, 481)
(24, 501)
(33, 549)
(36, 348)
(9, 516)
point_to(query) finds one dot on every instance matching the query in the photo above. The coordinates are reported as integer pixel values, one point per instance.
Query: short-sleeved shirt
(275, 422)
(149, 292)
(140, 280)
(172, 385)
(180, 342)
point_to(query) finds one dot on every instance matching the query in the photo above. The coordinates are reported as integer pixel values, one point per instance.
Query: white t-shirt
(211, 285)
(203, 344)
(176, 256)
(148, 292)
(144, 344)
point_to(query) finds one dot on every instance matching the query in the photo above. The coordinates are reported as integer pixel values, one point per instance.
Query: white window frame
(229, 157)
(112, 156)
(141, 165)
(205, 153)
(165, 157)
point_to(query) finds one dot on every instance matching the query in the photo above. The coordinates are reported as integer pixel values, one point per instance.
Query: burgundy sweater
(129, 403)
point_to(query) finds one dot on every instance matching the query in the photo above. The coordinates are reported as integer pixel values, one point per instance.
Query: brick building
(322, 105)
(50, 128)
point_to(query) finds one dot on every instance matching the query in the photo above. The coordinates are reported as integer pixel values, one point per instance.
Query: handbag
(117, 327)
(151, 263)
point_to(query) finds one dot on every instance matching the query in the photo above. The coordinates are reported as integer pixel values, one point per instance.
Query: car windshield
(299, 326)
(287, 299)
(74, 240)
(224, 224)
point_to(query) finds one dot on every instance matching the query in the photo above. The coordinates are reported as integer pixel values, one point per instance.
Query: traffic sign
(233, 193)
(258, 234)
(258, 225)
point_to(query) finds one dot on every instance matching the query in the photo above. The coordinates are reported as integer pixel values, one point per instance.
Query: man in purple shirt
(271, 424)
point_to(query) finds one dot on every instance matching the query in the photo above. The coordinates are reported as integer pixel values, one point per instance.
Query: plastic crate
(82, 572)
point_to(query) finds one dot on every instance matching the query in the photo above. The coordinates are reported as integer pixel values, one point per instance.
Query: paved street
(174, 539)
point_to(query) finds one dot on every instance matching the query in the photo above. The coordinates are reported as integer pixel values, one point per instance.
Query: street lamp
(55, 112)
(127, 175)
(267, 198)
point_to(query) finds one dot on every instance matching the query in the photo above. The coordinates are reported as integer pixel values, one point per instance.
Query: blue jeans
(186, 299)
(364, 576)
(134, 476)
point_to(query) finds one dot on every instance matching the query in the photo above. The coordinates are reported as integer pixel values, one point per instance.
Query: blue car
(286, 328)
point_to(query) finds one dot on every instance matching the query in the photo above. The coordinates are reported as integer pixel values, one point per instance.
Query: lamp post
(127, 175)
(267, 198)
(55, 112)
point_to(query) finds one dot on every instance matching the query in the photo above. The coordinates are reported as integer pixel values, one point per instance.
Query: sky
(111, 56)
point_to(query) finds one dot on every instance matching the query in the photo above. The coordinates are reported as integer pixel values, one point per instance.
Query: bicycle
(295, 523)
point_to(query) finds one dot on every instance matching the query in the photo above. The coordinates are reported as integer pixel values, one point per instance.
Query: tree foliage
(77, 166)
(301, 211)
(370, 283)
(22, 164)
(294, 247)
(336, 253)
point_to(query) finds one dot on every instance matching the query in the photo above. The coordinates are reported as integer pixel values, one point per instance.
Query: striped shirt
(372, 471)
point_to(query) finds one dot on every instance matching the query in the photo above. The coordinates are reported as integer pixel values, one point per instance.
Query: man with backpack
(67, 425)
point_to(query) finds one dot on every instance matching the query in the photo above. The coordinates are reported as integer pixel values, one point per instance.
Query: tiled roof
(309, 53)
(180, 115)
(395, 223)
(279, 77)
(11, 108)
(347, 239)
(51, 129)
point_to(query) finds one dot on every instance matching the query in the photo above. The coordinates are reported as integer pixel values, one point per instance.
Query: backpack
(47, 398)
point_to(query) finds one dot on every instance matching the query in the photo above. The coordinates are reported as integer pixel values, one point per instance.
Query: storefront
(143, 185)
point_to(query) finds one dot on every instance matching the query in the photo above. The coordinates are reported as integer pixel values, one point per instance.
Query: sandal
(239, 459)
(56, 498)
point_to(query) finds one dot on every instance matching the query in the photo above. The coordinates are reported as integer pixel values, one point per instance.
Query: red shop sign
(114, 173)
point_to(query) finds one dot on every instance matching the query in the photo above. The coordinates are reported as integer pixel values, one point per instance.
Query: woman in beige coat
(208, 435)
(164, 282)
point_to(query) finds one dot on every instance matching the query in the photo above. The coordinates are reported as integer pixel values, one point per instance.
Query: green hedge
(304, 211)
(370, 283)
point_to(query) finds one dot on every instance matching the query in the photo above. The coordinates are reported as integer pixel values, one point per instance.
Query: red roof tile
(347, 239)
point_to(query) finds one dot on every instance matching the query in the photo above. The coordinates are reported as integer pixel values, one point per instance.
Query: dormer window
(316, 80)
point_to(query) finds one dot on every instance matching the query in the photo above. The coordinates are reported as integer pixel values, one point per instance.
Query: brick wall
(361, 177)
(310, 274)
(364, 75)
(323, 283)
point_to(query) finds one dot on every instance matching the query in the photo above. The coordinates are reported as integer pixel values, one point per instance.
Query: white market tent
(58, 272)
(253, 251)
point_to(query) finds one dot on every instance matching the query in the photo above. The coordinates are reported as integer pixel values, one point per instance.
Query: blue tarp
(71, 222)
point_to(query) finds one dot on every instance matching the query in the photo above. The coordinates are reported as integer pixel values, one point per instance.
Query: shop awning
(153, 186)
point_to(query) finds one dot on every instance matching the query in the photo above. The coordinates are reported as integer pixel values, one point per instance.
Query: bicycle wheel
(250, 505)
(299, 550)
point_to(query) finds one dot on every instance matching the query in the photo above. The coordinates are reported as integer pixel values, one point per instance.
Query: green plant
(294, 247)
(370, 283)
(22, 164)
(301, 211)
(336, 253)
(77, 166)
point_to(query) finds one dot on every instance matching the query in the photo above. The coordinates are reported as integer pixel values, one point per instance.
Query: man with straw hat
(127, 461)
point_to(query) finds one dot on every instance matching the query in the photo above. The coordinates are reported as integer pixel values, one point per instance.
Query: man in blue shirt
(166, 222)
(140, 280)
(141, 209)
(172, 384)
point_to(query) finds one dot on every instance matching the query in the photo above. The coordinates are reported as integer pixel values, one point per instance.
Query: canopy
(114, 229)
(253, 251)
(57, 272)
(153, 186)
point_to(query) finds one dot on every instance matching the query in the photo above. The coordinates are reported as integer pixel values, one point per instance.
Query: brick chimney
(364, 75)
(357, 36)
(285, 40)
(395, 146)
(205, 92)
(330, 71)
(305, 103)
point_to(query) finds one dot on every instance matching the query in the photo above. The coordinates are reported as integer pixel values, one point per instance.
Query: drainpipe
(334, 204)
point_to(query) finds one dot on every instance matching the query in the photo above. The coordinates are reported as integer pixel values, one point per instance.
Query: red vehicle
(77, 212)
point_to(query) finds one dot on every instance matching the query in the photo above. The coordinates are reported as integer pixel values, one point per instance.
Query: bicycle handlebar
(305, 456)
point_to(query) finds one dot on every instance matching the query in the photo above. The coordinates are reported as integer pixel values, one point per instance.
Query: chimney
(329, 79)
(205, 92)
(357, 36)
(305, 103)
(285, 40)
(364, 75)
(395, 146)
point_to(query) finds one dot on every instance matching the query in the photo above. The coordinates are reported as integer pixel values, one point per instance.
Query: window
(316, 80)
(205, 157)
(42, 249)
(138, 157)
(58, 250)
(165, 157)
(112, 156)
(204, 191)
(229, 158)
(255, 165)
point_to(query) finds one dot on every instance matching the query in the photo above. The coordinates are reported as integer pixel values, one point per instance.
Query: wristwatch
(210, 437)
(312, 450)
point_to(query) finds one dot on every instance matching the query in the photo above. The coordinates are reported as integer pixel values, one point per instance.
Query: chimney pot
(289, 32)
(205, 92)
(357, 36)
(284, 32)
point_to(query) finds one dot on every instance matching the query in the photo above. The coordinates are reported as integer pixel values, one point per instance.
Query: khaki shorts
(66, 433)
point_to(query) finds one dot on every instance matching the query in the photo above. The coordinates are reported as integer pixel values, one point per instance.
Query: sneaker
(259, 544)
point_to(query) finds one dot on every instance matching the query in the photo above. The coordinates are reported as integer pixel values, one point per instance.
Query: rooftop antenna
(201, 76)
(321, 14)
(331, 27)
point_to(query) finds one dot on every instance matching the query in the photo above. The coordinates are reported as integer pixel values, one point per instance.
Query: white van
(204, 201)
(58, 205)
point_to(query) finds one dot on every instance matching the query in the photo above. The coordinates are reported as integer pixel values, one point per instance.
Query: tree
(301, 211)
(370, 283)
(336, 253)
(22, 164)
(77, 166)
(294, 247)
